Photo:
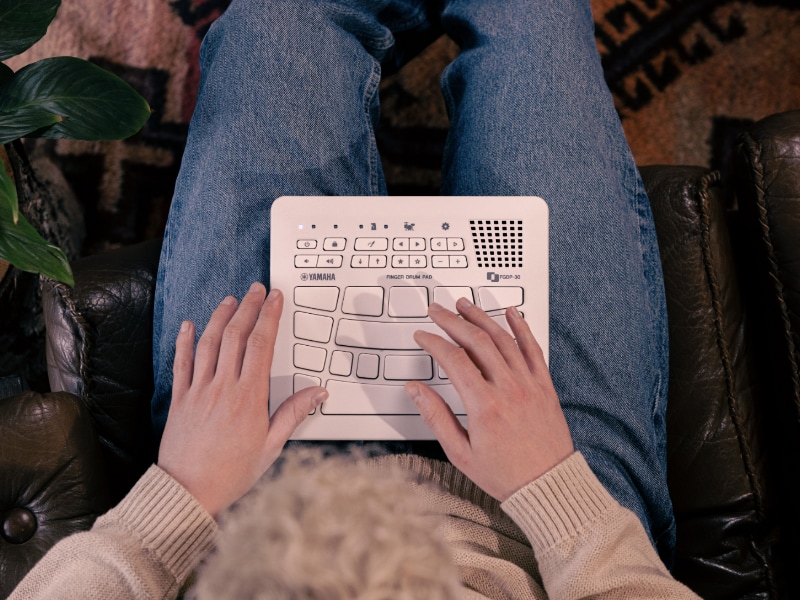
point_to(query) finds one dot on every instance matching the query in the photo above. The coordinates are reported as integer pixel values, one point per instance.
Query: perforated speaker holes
(497, 243)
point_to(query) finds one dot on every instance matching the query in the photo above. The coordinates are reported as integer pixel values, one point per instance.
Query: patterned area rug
(686, 75)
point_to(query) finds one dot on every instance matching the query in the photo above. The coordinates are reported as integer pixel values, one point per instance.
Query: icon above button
(334, 243)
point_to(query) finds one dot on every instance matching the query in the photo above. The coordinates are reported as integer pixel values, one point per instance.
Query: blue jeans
(287, 106)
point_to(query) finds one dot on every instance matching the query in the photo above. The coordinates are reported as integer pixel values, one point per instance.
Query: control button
(329, 262)
(372, 244)
(321, 298)
(440, 262)
(438, 244)
(400, 261)
(447, 296)
(368, 366)
(341, 363)
(416, 244)
(351, 398)
(334, 243)
(377, 262)
(458, 262)
(315, 328)
(407, 367)
(353, 333)
(418, 261)
(359, 261)
(367, 301)
(305, 261)
(498, 298)
(408, 302)
(400, 244)
(309, 357)
(455, 244)
(306, 244)
(302, 381)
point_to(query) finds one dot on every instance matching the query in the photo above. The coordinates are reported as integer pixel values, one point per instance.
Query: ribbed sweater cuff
(559, 504)
(168, 520)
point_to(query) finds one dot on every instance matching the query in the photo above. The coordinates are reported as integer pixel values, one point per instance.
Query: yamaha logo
(318, 277)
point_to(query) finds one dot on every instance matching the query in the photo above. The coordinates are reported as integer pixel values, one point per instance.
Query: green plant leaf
(23, 23)
(24, 121)
(23, 247)
(8, 194)
(92, 103)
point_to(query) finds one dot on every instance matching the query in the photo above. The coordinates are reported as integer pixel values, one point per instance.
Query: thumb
(440, 418)
(291, 413)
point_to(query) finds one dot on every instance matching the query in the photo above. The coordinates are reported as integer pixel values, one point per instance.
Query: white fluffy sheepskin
(325, 528)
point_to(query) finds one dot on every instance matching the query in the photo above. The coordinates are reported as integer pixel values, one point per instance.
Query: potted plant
(60, 97)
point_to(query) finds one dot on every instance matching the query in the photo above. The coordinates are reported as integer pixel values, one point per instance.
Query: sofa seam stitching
(706, 182)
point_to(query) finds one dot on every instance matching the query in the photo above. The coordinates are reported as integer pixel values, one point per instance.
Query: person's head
(332, 527)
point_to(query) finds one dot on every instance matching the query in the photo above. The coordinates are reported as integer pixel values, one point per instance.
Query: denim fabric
(287, 106)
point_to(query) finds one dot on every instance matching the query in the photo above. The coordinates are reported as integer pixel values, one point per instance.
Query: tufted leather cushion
(723, 496)
(99, 347)
(53, 478)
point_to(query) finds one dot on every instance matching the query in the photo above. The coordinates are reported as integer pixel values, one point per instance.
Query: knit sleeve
(145, 547)
(586, 543)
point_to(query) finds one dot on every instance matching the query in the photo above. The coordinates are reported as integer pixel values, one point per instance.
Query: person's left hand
(219, 438)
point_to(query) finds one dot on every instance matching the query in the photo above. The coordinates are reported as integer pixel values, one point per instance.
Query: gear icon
(445, 226)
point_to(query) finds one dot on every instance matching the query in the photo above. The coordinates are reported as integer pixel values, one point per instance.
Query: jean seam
(414, 20)
(375, 43)
(370, 96)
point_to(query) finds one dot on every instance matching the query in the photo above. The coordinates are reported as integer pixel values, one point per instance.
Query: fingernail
(514, 312)
(463, 303)
(229, 300)
(320, 397)
(255, 287)
(413, 390)
(273, 295)
(185, 326)
(434, 307)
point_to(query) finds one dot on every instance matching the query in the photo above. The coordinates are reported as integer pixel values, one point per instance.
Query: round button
(19, 525)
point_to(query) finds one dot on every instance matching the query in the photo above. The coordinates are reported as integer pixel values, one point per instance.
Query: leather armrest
(768, 185)
(99, 347)
(52, 478)
(723, 497)
(767, 182)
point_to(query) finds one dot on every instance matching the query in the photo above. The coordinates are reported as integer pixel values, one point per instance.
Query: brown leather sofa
(731, 255)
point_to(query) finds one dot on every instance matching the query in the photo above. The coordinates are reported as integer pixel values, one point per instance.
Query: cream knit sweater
(562, 536)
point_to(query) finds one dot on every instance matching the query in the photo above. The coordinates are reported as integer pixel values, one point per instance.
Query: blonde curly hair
(325, 527)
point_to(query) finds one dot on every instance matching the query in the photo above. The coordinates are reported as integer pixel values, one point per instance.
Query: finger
(465, 376)
(526, 341)
(502, 340)
(475, 340)
(205, 362)
(237, 331)
(289, 415)
(183, 366)
(437, 415)
(257, 362)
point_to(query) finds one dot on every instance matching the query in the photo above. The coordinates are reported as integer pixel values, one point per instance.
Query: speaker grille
(497, 243)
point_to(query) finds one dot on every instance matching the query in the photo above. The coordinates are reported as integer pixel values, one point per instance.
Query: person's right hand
(517, 430)
(219, 438)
